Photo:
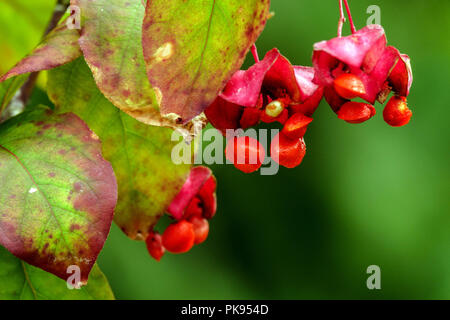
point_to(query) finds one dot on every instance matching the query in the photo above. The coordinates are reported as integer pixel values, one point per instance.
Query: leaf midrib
(202, 56)
(42, 194)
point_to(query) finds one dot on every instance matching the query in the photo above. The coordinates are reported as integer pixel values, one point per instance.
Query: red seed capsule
(396, 113)
(247, 154)
(356, 112)
(250, 117)
(295, 127)
(154, 245)
(179, 237)
(349, 86)
(207, 195)
(194, 208)
(287, 152)
(201, 229)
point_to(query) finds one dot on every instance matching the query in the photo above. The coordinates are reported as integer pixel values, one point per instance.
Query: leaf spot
(164, 52)
(32, 190)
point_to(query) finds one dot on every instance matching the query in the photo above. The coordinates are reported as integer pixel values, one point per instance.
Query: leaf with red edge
(59, 47)
(57, 193)
(192, 48)
(147, 177)
(111, 44)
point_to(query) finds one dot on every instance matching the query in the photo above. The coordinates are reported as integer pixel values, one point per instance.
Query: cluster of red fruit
(194, 205)
(273, 90)
(363, 66)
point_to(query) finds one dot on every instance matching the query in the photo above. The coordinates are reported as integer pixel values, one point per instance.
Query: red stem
(255, 53)
(350, 19)
(341, 19)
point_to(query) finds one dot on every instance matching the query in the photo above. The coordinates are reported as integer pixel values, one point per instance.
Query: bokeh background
(365, 194)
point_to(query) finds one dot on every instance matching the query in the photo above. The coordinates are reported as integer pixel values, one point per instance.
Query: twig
(255, 53)
(341, 19)
(350, 19)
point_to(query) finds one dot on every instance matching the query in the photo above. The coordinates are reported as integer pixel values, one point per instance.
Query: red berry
(396, 113)
(287, 152)
(296, 126)
(154, 245)
(247, 155)
(356, 112)
(179, 237)
(349, 86)
(201, 229)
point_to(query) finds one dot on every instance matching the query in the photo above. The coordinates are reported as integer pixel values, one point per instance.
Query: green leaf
(148, 180)
(192, 48)
(59, 47)
(22, 23)
(21, 281)
(57, 193)
(8, 89)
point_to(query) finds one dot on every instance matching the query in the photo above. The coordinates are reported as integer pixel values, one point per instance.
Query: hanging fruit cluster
(273, 90)
(359, 66)
(191, 209)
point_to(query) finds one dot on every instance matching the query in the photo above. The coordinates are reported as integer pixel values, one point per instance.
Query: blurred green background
(365, 194)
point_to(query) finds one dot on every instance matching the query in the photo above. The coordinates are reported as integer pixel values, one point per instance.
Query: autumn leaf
(57, 193)
(22, 23)
(112, 46)
(21, 281)
(59, 47)
(192, 48)
(148, 180)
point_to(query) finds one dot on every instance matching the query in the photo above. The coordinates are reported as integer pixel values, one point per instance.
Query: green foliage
(8, 89)
(22, 23)
(60, 46)
(21, 281)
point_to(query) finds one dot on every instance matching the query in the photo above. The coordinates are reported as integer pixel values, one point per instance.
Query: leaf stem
(350, 19)
(341, 19)
(255, 53)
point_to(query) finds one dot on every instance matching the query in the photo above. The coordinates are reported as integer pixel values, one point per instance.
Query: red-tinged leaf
(22, 23)
(192, 48)
(147, 177)
(20, 281)
(57, 193)
(111, 44)
(59, 47)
